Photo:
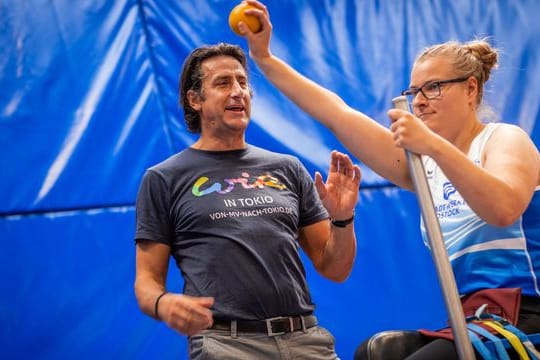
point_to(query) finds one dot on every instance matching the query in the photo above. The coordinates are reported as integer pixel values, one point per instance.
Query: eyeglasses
(431, 89)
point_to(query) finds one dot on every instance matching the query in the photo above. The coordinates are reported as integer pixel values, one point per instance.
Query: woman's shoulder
(505, 130)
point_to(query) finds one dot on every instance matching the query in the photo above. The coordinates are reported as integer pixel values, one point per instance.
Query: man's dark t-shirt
(231, 219)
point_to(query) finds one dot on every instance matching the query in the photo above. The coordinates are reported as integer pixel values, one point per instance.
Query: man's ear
(194, 100)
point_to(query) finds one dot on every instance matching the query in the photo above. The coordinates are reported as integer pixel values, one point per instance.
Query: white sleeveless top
(483, 255)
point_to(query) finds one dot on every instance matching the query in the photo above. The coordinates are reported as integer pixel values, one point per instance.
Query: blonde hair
(474, 58)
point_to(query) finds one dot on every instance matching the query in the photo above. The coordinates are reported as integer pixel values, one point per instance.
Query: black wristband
(342, 223)
(157, 303)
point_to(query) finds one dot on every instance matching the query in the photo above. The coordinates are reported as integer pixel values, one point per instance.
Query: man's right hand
(186, 314)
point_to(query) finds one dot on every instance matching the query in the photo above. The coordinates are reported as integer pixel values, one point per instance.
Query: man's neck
(219, 144)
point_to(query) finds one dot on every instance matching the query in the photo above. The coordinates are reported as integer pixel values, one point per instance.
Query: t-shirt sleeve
(152, 209)
(312, 209)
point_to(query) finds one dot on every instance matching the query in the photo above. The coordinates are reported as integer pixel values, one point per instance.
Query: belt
(274, 326)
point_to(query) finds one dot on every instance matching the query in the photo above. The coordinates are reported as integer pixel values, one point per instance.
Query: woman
(482, 176)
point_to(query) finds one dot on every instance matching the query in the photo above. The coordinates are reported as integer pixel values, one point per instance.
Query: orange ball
(237, 14)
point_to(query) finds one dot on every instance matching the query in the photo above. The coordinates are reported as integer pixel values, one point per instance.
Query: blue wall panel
(88, 101)
(79, 114)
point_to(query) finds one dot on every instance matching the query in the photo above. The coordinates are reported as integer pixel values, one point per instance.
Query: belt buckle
(269, 329)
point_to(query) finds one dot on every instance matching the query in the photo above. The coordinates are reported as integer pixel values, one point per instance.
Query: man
(232, 215)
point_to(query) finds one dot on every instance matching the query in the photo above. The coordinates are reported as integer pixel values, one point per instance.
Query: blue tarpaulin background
(88, 101)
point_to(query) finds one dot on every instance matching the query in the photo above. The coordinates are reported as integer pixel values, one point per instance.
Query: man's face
(225, 101)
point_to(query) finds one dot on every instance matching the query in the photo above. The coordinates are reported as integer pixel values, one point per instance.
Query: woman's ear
(194, 100)
(472, 87)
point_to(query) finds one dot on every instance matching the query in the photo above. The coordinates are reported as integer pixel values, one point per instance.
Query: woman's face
(450, 104)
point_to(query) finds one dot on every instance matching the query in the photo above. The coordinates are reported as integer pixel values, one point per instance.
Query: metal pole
(438, 250)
